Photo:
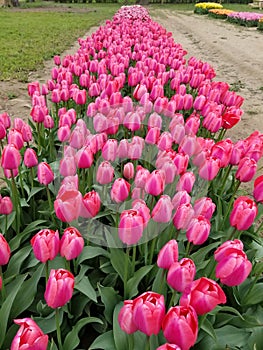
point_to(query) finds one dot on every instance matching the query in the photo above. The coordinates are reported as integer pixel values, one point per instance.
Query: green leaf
(200, 255)
(255, 296)
(110, 298)
(34, 191)
(90, 252)
(120, 337)
(230, 309)
(233, 337)
(72, 339)
(84, 286)
(52, 346)
(27, 292)
(13, 289)
(208, 328)
(132, 284)
(32, 227)
(17, 260)
(118, 260)
(104, 342)
(10, 219)
(48, 324)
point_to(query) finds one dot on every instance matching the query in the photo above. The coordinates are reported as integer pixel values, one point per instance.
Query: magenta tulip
(45, 245)
(30, 158)
(198, 230)
(204, 295)
(148, 312)
(204, 206)
(4, 250)
(243, 213)
(45, 174)
(11, 157)
(258, 189)
(246, 170)
(29, 336)
(168, 254)
(91, 204)
(183, 216)
(155, 183)
(71, 244)
(181, 274)
(6, 206)
(227, 248)
(59, 288)
(120, 190)
(168, 347)
(180, 326)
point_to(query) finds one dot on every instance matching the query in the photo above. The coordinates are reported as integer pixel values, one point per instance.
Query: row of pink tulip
(136, 126)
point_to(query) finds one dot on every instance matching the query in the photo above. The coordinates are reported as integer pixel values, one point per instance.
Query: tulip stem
(133, 259)
(46, 269)
(188, 249)
(153, 244)
(230, 203)
(3, 292)
(131, 342)
(125, 277)
(148, 343)
(233, 233)
(60, 347)
(16, 202)
(50, 205)
(225, 180)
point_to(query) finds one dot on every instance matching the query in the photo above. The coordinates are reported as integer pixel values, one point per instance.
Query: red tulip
(148, 312)
(243, 213)
(45, 174)
(45, 245)
(59, 288)
(4, 250)
(168, 254)
(203, 295)
(125, 318)
(180, 326)
(258, 189)
(11, 157)
(91, 205)
(29, 336)
(181, 274)
(71, 244)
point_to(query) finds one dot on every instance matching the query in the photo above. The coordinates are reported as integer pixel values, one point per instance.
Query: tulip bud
(155, 183)
(11, 157)
(181, 274)
(168, 254)
(198, 230)
(45, 174)
(131, 226)
(59, 288)
(45, 245)
(4, 250)
(258, 189)
(6, 206)
(243, 213)
(162, 211)
(105, 173)
(120, 190)
(91, 205)
(71, 244)
(125, 318)
(30, 158)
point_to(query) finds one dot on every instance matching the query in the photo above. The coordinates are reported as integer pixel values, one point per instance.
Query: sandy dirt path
(235, 52)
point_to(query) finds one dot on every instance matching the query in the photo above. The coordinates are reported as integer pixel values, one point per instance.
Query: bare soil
(235, 52)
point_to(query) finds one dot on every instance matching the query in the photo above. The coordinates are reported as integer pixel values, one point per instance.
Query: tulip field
(124, 220)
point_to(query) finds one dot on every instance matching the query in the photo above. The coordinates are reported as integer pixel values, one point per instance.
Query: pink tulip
(59, 288)
(183, 216)
(68, 204)
(168, 254)
(198, 230)
(143, 210)
(246, 170)
(120, 190)
(152, 136)
(180, 326)
(222, 150)
(45, 245)
(233, 268)
(227, 248)
(125, 317)
(90, 205)
(148, 312)
(204, 295)
(131, 226)
(30, 158)
(155, 183)
(168, 347)
(142, 174)
(5, 120)
(181, 162)
(181, 197)
(243, 213)
(11, 157)
(6, 206)
(162, 211)
(109, 150)
(186, 182)
(45, 174)
(209, 169)
(4, 250)
(204, 206)
(105, 173)
(15, 137)
(29, 336)
(71, 244)
(67, 166)
(128, 171)
(84, 158)
(181, 274)
(258, 189)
